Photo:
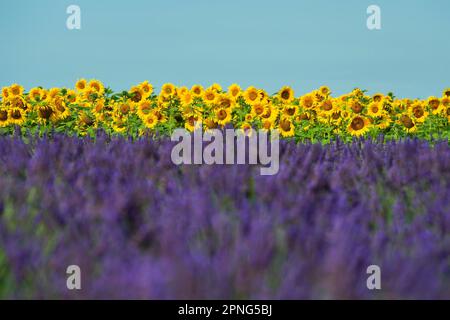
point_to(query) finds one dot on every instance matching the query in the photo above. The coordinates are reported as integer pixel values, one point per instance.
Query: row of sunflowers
(317, 115)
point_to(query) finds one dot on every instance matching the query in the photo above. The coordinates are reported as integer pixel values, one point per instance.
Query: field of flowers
(141, 227)
(316, 116)
(86, 178)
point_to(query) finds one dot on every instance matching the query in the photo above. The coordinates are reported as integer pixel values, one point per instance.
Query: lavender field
(141, 227)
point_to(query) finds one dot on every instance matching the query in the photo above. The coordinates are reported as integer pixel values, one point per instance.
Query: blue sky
(268, 44)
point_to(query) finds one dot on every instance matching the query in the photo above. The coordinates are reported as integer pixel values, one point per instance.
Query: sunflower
(36, 94)
(99, 107)
(324, 90)
(4, 118)
(45, 113)
(60, 107)
(435, 105)
(224, 101)
(197, 90)
(234, 91)
(307, 101)
(210, 124)
(407, 123)
(264, 96)
(217, 87)
(286, 94)
(267, 125)
(377, 97)
(150, 120)
(418, 112)
(187, 98)
(301, 117)
(86, 120)
(210, 96)
(318, 96)
(251, 95)
(385, 122)
(147, 89)
(5, 93)
(81, 85)
(286, 127)
(358, 126)
(119, 125)
(445, 106)
(19, 102)
(168, 90)
(327, 107)
(192, 122)
(447, 113)
(336, 117)
(97, 86)
(357, 92)
(137, 94)
(356, 106)
(71, 96)
(16, 116)
(16, 90)
(258, 110)
(375, 109)
(123, 108)
(53, 93)
(181, 91)
(248, 117)
(446, 93)
(223, 116)
(289, 110)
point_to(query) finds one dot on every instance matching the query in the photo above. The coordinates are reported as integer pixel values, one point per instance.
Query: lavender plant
(141, 227)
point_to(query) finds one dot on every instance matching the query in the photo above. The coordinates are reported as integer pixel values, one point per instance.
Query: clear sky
(302, 43)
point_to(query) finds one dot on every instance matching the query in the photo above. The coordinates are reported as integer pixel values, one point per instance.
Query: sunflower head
(446, 93)
(137, 94)
(307, 101)
(5, 93)
(16, 90)
(324, 90)
(4, 118)
(146, 88)
(375, 109)
(407, 123)
(150, 120)
(286, 127)
(210, 96)
(251, 95)
(16, 116)
(234, 91)
(216, 87)
(223, 116)
(186, 98)
(434, 104)
(358, 126)
(97, 86)
(356, 106)
(168, 90)
(377, 97)
(286, 94)
(418, 112)
(81, 85)
(224, 101)
(197, 90)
